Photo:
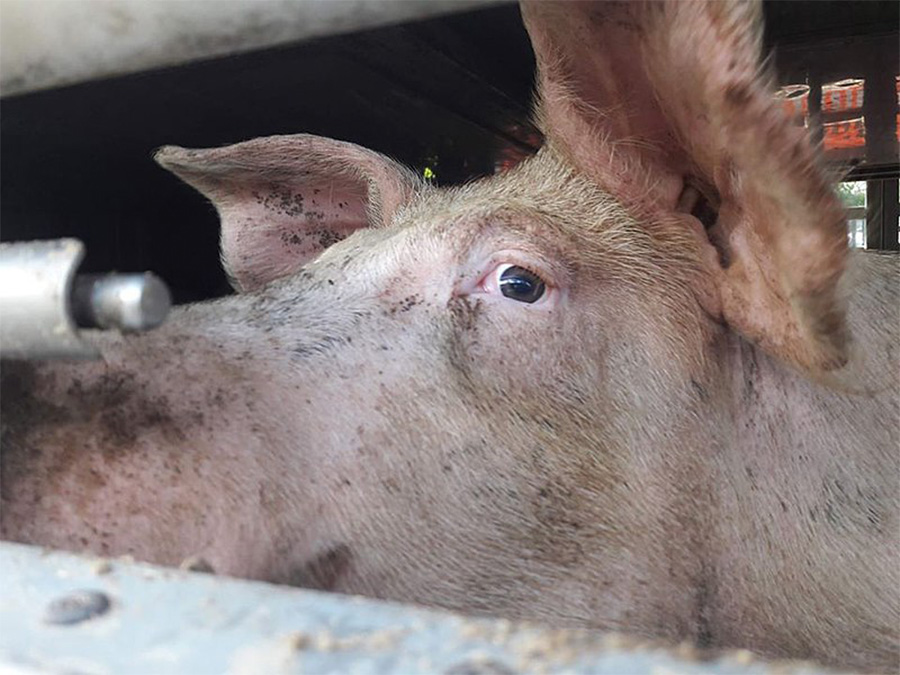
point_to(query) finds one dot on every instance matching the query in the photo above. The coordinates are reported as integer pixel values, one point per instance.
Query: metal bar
(43, 302)
(64, 613)
(35, 310)
(890, 205)
(874, 215)
(58, 42)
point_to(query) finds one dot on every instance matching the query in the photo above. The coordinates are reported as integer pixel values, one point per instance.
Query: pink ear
(647, 98)
(282, 200)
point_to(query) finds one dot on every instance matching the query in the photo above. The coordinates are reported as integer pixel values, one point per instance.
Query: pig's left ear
(283, 199)
(660, 101)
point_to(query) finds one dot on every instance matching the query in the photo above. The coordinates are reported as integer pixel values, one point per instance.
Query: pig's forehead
(543, 192)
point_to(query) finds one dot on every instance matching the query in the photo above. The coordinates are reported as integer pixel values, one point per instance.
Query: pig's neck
(804, 473)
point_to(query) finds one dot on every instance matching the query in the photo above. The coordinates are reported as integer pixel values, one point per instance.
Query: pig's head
(496, 387)
(458, 376)
(500, 397)
(482, 380)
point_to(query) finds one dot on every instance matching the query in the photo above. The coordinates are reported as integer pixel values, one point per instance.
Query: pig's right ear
(283, 199)
(661, 102)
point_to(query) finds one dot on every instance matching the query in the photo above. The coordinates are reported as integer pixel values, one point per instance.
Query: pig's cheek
(461, 339)
(500, 346)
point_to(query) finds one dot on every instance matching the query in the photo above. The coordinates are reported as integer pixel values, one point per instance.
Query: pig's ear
(283, 199)
(652, 98)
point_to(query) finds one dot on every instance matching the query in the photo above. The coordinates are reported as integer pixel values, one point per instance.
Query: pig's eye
(518, 283)
(504, 280)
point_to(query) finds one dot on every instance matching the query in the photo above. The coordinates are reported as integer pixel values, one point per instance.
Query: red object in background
(839, 97)
(843, 95)
(845, 134)
(794, 100)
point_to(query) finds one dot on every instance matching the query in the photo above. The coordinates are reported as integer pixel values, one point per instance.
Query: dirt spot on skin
(292, 238)
(556, 539)
(326, 236)
(700, 390)
(20, 411)
(50, 436)
(462, 336)
(324, 571)
(408, 303)
(404, 305)
(20, 407)
(280, 201)
(464, 312)
(123, 410)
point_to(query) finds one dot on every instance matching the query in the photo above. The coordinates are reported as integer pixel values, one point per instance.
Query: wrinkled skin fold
(679, 438)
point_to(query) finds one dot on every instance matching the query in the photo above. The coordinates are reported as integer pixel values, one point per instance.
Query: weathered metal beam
(57, 42)
(65, 613)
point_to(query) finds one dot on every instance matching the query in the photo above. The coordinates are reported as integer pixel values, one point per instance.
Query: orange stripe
(843, 135)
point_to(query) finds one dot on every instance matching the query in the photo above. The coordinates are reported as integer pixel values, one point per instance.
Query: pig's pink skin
(629, 454)
(619, 462)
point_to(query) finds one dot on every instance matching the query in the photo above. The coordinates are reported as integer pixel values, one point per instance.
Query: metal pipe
(129, 303)
(57, 42)
(43, 302)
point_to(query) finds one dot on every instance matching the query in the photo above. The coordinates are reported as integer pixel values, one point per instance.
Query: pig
(615, 387)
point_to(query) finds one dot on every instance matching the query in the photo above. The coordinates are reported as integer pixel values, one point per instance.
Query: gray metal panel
(51, 43)
(169, 621)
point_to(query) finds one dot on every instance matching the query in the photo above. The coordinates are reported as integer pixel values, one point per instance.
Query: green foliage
(852, 194)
